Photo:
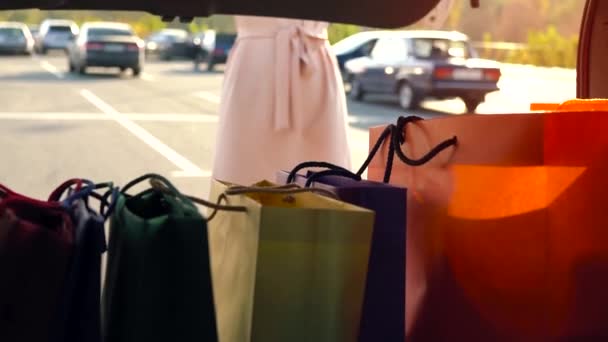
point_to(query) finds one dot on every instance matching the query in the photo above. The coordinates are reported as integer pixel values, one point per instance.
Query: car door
(386, 56)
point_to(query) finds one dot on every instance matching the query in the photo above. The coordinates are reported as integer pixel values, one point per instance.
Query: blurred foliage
(544, 48)
(338, 32)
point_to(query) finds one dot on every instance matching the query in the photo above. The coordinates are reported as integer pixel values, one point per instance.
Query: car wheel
(136, 71)
(407, 97)
(71, 66)
(356, 90)
(210, 64)
(82, 69)
(472, 103)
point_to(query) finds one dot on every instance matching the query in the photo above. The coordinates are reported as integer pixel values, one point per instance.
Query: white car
(55, 34)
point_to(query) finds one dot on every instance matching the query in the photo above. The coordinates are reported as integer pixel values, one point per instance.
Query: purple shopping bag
(383, 312)
(79, 316)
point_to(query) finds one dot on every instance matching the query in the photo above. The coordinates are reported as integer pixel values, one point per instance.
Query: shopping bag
(383, 312)
(79, 312)
(507, 226)
(158, 285)
(290, 268)
(36, 241)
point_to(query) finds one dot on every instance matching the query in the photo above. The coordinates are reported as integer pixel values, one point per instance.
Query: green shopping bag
(158, 285)
(292, 267)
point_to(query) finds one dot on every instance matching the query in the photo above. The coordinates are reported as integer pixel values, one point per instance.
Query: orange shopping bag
(507, 229)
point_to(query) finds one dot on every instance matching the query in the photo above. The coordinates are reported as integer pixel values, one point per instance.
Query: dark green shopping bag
(158, 283)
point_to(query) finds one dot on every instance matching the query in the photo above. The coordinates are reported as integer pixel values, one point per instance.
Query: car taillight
(492, 74)
(132, 47)
(443, 73)
(93, 46)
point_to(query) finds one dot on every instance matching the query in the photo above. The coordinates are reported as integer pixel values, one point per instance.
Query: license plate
(467, 74)
(114, 48)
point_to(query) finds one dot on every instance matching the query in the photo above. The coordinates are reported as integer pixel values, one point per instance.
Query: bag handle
(156, 184)
(398, 139)
(80, 193)
(106, 206)
(243, 190)
(309, 164)
(388, 132)
(314, 177)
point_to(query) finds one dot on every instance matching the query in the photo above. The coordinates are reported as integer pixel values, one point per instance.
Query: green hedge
(544, 48)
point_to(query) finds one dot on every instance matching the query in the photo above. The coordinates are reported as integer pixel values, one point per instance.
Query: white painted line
(176, 118)
(53, 116)
(208, 96)
(146, 77)
(187, 168)
(201, 118)
(52, 69)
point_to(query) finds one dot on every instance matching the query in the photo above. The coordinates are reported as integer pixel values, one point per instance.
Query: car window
(351, 43)
(101, 32)
(11, 32)
(390, 50)
(60, 29)
(225, 38)
(440, 48)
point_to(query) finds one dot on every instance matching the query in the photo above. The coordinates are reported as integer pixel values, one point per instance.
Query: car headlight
(152, 45)
(197, 41)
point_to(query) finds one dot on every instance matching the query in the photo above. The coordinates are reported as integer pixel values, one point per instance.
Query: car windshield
(101, 32)
(60, 29)
(350, 43)
(441, 48)
(11, 32)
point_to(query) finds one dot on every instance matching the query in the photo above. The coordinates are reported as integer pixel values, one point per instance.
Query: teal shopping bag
(158, 283)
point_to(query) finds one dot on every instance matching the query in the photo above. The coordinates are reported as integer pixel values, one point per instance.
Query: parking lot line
(156, 117)
(52, 69)
(208, 96)
(185, 166)
(147, 77)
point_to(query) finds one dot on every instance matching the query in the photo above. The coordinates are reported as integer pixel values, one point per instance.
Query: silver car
(55, 34)
(15, 38)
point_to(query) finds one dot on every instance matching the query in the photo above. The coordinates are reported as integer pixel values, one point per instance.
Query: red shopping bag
(35, 245)
(507, 237)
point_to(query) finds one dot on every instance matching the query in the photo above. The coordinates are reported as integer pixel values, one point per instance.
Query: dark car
(213, 48)
(169, 44)
(106, 45)
(420, 64)
(15, 38)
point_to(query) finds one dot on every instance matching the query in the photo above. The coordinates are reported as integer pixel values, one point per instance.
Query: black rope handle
(399, 138)
(309, 164)
(315, 176)
(388, 131)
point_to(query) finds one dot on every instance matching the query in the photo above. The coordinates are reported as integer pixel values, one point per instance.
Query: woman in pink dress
(282, 103)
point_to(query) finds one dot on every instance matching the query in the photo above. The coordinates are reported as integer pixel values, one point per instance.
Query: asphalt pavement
(109, 126)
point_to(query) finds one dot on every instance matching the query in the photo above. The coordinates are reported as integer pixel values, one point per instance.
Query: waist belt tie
(293, 61)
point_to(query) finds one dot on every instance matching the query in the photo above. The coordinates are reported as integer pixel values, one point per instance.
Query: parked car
(420, 64)
(168, 44)
(354, 46)
(213, 48)
(103, 44)
(55, 34)
(15, 38)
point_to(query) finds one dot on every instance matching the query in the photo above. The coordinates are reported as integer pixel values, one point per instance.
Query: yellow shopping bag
(291, 267)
